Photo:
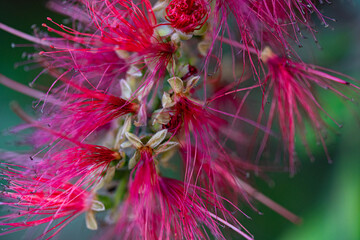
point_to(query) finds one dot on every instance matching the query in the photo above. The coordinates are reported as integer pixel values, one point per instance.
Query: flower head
(126, 28)
(34, 205)
(83, 164)
(182, 176)
(159, 207)
(81, 112)
(293, 95)
(278, 23)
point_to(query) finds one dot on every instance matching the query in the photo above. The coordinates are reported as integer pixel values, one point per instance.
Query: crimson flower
(33, 205)
(292, 85)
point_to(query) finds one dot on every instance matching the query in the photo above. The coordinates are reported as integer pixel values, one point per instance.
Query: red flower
(275, 22)
(292, 86)
(163, 208)
(84, 164)
(125, 27)
(33, 205)
(81, 112)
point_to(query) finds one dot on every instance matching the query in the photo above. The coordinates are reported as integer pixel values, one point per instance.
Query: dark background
(326, 196)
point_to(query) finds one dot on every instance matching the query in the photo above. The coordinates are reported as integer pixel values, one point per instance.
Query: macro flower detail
(187, 15)
(160, 114)
(76, 114)
(151, 196)
(33, 205)
(152, 146)
(292, 85)
(85, 163)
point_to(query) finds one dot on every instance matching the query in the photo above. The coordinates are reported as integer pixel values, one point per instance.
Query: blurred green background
(326, 196)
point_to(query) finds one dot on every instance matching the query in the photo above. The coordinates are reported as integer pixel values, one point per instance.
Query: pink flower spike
(292, 85)
(123, 35)
(92, 104)
(34, 206)
(84, 164)
(148, 113)
(84, 110)
(121, 26)
(161, 208)
(275, 23)
(198, 127)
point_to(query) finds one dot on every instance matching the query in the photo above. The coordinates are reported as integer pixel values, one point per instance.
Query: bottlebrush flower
(76, 114)
(84, 164)
(100, 69)
(285, 19)
(186, 118)
(162, 208)
(181, 111)
(275, 23)
(109, 70)
(124, 27)
(68, 160)
(33, 205)
(200, 131)
(292, 86)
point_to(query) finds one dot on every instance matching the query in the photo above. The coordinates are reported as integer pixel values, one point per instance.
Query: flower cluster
(146, 120)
